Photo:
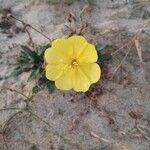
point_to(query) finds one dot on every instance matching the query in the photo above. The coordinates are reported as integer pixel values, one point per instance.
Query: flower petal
(51, 56)
(65, 81)
(54, 71)
(79, 43)
(89, 55)
(80, 82)
(61, 51)
(92, 71)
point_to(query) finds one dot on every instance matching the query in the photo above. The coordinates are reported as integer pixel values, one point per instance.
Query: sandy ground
(113, 115)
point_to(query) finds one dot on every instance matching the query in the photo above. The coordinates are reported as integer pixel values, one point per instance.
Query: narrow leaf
(104, 57)
(33, 74)
(50, 86)
(17, 71)
(35, 89)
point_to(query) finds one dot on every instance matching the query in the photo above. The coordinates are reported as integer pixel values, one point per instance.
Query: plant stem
(28, 25)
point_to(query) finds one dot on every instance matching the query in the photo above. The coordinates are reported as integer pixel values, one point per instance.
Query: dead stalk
(55, 132)
(14, 90)
(143, 133)
(125, 45)
(138, 48)
(2, 109)
(4, 139)
(120, 63)
(30, 26)
(99, 138)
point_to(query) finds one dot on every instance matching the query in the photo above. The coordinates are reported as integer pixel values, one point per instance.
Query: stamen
(74, 62)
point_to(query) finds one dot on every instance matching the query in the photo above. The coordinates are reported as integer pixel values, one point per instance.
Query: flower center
(74, 63)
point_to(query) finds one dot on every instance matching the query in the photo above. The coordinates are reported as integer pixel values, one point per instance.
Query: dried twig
(125, 45)
(55, 132)
(83, 29)
(138, 48)
(120, 63)
(5, 127)
(99, 138)
(28, 25)
(143, 133)
(85, 9)
(31, 43)
(14, 90)
(73, 20)
(11, 108)
(4, 139)
(42, 120)
(8, 121)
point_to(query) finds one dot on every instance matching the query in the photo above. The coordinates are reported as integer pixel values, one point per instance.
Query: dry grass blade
(71, 17)
(5, 142)
(99, 138)
(121, 63)
(14, 90)
(28, 25)
(125, 45)
(11, 108)
(143, 133)
(51, 127)
(85, 10)
(138, 48)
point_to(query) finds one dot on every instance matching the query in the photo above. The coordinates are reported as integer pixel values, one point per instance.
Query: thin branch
(14, 90)
(143, 133)
(31, 43)
(28, 25)
(125, 45)
(8, 121)
(5, 127)
(4, 139)
(120, 63)
(42, 120)
(11, 108)
(100, 138)
(56, 132)
(84, 10)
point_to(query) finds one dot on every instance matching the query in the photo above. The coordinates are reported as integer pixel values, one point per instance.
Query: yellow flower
(71, 64)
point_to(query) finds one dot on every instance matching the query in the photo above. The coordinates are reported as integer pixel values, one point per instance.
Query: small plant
(32, 61)
(72, 62)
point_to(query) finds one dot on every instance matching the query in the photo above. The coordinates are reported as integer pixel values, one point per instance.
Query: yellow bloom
(71, 64)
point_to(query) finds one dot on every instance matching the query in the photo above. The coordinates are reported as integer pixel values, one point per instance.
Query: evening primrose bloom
(71, 63)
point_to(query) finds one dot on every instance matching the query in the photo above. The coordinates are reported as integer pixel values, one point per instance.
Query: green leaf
(46, 46)
(35, 57)
(26, 49)
(40, 50)
(35, 89)
(17, 71)
(100, 47)
(50, 86)
(104, 57)
(32, 61)
(32, 54)
(33, 74)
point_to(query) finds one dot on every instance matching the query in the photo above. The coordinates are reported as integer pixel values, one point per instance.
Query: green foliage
(103, 56)
(32, 61)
